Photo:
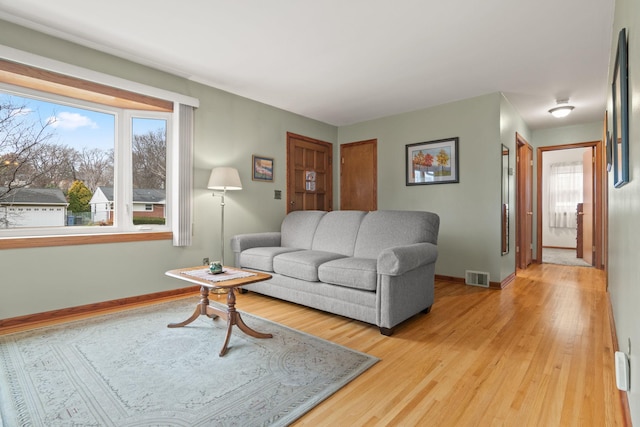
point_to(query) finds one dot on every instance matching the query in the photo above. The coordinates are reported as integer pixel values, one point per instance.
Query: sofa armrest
(400, 259)
(241, 242)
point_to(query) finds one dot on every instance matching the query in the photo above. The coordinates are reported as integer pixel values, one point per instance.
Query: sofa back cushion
(299, 227)
(384, 229)
(337, 232)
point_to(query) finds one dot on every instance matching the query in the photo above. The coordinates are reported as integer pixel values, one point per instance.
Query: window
(148, 155)
(130, 122)
(565, 192)
(69, 152)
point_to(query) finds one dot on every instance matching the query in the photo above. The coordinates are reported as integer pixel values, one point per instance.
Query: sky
(76, 127)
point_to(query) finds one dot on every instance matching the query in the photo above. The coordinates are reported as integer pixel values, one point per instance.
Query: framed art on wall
(606, 137)
(432, 162)
(262, 168)
(620, 122)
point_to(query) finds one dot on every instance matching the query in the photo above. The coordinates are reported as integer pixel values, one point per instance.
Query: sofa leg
(386, 331)
(426, 310)
(242, 291)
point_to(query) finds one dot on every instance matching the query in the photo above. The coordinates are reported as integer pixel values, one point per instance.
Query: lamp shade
(224, 178)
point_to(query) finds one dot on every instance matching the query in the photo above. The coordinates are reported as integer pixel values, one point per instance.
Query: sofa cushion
(299, 227)
(261, 258)
(337, 232)
(380, 230)
(357, 273)
(302, 265)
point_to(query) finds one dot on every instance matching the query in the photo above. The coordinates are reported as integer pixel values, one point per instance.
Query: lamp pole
(223, 178)
(224, 191)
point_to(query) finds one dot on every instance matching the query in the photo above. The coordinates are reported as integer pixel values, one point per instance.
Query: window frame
(78, 80)
(122, 169)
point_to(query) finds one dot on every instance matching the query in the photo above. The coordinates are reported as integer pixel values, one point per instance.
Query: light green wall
(562, 135)
(229, 129)
(510, 124)
(469, 211)
(624, 211)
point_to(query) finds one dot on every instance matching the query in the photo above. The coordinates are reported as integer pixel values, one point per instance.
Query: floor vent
(477, 278)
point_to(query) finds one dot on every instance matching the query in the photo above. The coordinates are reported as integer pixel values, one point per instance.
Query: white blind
(183, 209)
(565, 192)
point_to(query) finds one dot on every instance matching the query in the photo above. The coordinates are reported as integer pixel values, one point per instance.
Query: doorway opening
(569, 211)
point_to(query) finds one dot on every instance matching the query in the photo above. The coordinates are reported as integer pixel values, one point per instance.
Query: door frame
(598, 197)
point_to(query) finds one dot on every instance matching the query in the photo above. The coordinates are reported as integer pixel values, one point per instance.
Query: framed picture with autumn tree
(433, 162)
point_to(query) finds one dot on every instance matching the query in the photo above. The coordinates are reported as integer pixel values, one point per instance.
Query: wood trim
(31, 320)
(87, 239)
(492, 285)
(449, 278)
(604, 175)
(508, 280)
(600, 174)
(568, 146)
(48, 81)
(598, 193)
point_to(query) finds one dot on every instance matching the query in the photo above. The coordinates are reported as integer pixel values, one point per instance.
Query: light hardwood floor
(537, 353)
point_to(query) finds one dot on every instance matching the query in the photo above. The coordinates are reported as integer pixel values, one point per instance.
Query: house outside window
(14, 212)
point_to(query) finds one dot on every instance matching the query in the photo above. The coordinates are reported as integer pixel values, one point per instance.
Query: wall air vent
(477, 278)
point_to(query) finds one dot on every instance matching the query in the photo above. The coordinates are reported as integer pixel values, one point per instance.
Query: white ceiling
(347, 61)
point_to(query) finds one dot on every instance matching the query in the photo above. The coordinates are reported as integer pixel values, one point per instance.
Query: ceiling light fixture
(563, 109)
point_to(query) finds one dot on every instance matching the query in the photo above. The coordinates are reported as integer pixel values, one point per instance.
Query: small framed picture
(262, 168)
(432, 162)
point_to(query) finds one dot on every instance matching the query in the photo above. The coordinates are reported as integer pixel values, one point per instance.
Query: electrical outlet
(205, 261)
(622, 371)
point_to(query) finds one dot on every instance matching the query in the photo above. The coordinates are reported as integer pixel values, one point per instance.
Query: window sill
(88, 239)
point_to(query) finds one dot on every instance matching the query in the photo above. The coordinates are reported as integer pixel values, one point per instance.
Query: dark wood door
(309, 174)
(359, 175)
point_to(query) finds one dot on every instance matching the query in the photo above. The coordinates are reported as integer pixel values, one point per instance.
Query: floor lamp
(223, 178)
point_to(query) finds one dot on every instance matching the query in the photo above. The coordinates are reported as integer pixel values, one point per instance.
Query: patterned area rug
(129, 369)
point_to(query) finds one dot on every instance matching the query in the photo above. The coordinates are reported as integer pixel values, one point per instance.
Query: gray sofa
(377, 267)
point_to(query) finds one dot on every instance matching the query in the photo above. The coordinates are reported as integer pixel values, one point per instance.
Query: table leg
(201, 309)
(233, 318)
